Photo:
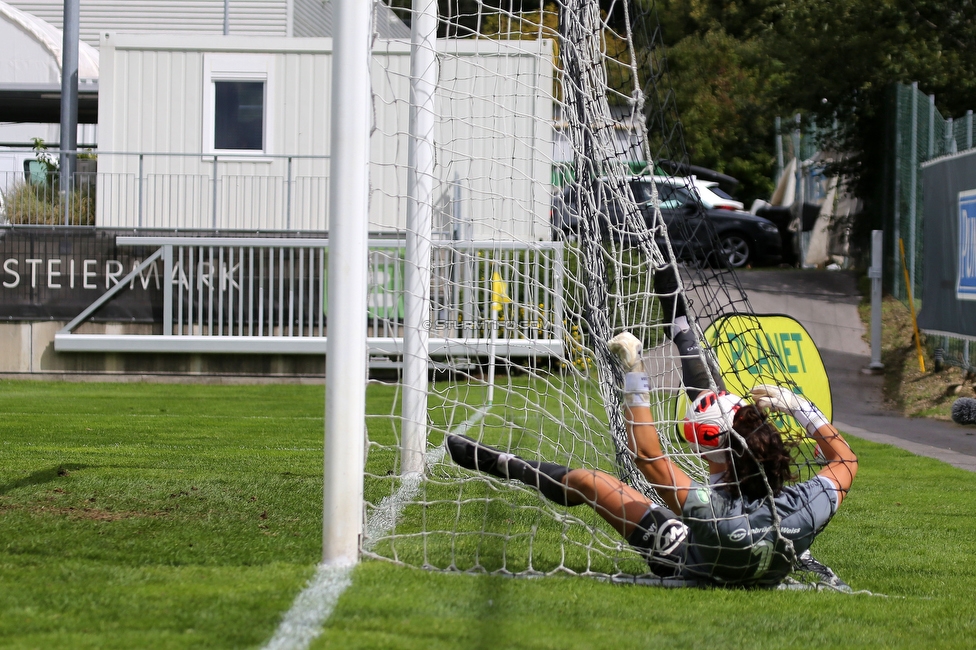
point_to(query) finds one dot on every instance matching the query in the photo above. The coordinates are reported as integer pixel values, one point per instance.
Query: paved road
(825, 302)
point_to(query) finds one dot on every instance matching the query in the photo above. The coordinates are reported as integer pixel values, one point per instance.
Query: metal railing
(264, 295)
(170, 190)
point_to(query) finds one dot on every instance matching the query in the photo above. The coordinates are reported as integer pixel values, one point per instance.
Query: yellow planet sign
(769, 349)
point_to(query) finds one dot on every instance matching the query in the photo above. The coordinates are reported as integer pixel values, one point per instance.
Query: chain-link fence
(919, 133)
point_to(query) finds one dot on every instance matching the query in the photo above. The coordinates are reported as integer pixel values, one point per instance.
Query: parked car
(697, 229)
(686, 229)
(712, 196)
(743, 238)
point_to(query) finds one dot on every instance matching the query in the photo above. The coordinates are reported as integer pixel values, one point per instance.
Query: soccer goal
(514, 155)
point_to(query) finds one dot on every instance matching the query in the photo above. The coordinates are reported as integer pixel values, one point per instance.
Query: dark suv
(697, 232)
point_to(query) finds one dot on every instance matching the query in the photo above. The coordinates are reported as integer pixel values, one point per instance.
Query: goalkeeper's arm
(841, 460)
(669, 480)
(841, 465)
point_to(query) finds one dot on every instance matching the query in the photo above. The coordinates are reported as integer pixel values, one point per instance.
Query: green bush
(42, 204)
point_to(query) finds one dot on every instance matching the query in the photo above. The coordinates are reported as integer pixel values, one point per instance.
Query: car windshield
(671, 197)
(710, 198)
(722, 193)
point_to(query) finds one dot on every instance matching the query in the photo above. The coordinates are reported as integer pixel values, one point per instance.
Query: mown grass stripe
(313, 606)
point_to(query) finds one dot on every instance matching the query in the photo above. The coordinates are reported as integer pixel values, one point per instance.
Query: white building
(240, 131)
(32, 46)
(302, 18)
(166, 74)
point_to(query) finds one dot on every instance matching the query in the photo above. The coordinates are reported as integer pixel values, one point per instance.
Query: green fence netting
(919, 133)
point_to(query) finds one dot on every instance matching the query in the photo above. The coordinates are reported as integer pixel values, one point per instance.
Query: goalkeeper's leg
(654, 531)
(618, 503)
(545, 477)
(696, 375)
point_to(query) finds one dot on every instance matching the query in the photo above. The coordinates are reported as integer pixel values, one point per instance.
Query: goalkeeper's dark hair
(763, 448)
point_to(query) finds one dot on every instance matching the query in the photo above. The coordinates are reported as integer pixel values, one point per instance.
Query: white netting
(546, 235)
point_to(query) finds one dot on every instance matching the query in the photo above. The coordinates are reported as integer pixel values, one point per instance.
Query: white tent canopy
(31, 50)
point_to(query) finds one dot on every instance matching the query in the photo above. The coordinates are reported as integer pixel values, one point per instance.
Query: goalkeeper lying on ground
(748, 525)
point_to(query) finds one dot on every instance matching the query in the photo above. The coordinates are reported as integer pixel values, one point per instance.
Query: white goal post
(345, 398)
(420, 208)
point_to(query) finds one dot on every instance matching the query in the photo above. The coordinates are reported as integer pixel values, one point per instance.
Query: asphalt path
(825, 302)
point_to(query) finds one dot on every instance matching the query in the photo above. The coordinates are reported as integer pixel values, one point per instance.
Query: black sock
(672, 303)
(694, 373)
(545, 477)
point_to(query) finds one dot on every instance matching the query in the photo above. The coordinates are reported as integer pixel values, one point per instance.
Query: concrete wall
(27, 351)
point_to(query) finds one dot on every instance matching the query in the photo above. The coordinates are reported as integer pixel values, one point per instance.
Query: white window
(238, 100)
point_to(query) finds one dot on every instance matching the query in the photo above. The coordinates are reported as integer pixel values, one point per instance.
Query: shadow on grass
(42, 476)
(894, 377)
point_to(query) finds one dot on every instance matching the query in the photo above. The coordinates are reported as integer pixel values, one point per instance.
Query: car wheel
(736, 249)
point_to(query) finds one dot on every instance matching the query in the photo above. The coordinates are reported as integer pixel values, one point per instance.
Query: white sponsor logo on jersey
(672, 534)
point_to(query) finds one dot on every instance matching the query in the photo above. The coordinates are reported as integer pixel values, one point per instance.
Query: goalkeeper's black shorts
(662, 538)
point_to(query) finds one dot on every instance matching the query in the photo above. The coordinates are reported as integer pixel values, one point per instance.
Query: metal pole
(288, 205)
(345, 369)
(214, 210)
(779, 150)
(140, 189)
(896, 207)
(797, 140)
(969, 129)
(226, 17)
(168, 290)
(69, 101)
(913, 183)
(799, 196)
(875, 273)
(492, 342)
(913, 235)
(420, 192)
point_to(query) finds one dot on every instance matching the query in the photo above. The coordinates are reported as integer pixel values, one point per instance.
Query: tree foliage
(845, 55)
(738, 63)
(724, 99)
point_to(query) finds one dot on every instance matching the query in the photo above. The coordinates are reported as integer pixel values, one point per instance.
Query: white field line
(303, 622)
(313, 606)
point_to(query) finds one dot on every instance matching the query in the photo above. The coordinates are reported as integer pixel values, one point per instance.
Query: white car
(714, 196)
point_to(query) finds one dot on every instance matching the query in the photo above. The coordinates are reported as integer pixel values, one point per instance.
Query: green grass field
(157, 516)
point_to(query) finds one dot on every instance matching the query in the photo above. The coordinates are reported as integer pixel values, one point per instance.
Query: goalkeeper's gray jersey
(732, 540)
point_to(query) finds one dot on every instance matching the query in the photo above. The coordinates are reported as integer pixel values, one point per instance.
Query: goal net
(546, 232)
